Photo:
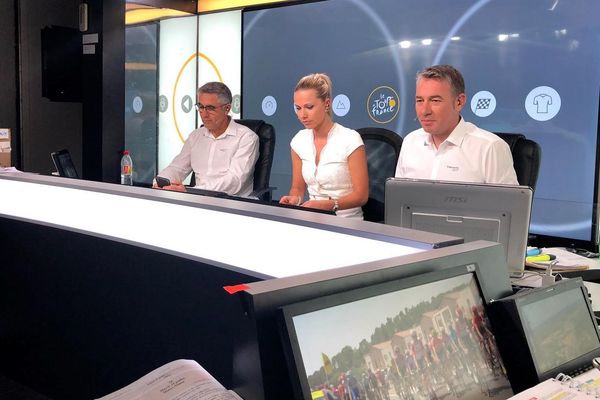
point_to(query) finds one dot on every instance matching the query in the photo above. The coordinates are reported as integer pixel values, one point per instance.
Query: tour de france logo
(383, 104)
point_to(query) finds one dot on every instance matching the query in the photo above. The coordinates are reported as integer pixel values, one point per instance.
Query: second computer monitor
(64, 164)
(499, 213)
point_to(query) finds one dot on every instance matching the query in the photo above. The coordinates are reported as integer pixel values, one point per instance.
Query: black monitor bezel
(583, 361)
(262, 371)
(60, 158)
(298, 376)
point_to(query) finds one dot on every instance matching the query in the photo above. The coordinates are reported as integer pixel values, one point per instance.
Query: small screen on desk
(560, 329)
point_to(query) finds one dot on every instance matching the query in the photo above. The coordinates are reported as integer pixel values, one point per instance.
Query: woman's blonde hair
(319, 82)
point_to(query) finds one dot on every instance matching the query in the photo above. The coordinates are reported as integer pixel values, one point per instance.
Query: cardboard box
(5, 159)
(5, 147)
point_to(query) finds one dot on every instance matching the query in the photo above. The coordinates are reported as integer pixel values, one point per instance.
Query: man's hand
(174, 186)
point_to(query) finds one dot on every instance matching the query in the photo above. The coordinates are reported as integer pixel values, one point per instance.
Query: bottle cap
(126, 152)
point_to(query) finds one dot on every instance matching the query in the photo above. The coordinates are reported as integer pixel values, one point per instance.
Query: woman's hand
(320, 204)
(294, 200)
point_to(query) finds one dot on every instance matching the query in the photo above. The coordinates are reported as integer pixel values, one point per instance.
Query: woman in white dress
(327, 159)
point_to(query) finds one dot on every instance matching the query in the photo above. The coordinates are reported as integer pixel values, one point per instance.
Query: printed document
(177, 380)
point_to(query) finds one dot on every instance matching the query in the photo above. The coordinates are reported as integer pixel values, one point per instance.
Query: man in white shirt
(221, 154)
(447, 147)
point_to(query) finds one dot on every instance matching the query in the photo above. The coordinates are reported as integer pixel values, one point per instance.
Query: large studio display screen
(530, 67)
(420, 337)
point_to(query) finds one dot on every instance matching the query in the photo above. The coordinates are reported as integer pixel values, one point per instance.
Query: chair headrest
(510, 138)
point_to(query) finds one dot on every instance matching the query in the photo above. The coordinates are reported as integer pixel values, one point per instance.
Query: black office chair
(383, 149)
(64, 164)
(527, 156)
(262, 168)
(266, 151)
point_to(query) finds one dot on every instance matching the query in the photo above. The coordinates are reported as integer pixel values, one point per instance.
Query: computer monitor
(260, 368)
(64, 164)
(425, 336)
(498, 213)
(544, 331)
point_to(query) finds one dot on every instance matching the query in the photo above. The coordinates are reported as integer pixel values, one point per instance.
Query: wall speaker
(61, 63)
(83, 17)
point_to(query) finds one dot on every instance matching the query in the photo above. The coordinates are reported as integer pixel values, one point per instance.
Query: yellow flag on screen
(327, 364)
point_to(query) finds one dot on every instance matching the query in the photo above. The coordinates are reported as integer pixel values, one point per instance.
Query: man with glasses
(221, 153)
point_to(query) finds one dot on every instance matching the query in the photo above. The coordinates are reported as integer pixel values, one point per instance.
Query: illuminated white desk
(300, 242)
(101, 283)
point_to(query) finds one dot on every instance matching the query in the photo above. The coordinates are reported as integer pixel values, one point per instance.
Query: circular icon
(137, 104)
(383, 104)
(542, 103)
(182, 76)
(269, 105)
(341, 105)
(236, 104)
(163, 103)
(483, 103)
(187, 103)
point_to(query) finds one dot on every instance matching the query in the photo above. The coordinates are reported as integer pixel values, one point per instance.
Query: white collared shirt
(469, 154)
(225, 163)
(331, 178)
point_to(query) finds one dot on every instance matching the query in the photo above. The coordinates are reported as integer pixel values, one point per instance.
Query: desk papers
(177, 380)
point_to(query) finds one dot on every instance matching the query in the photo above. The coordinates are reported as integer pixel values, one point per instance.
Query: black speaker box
(61, 63)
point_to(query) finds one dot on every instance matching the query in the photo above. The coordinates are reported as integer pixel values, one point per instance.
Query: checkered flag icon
(483, 104)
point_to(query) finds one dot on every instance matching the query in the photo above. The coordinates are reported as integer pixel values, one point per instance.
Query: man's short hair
(218, 88)
(447, 73)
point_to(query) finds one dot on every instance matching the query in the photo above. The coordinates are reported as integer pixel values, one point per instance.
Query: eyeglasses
(209, 108)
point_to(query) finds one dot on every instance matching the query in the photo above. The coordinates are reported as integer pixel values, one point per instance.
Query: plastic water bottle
(126, 169)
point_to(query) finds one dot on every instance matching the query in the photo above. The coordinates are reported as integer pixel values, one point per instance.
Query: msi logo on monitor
(455, 199)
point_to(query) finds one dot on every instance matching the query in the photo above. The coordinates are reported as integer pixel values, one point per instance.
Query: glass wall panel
(140, 99)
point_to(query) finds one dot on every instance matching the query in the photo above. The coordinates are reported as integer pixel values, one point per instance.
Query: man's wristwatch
(336, 206)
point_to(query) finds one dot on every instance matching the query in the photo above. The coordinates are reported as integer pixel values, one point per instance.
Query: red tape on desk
(235, 288)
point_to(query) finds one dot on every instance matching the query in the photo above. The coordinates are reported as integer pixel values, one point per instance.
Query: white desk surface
(207, 233)
(533, 278)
